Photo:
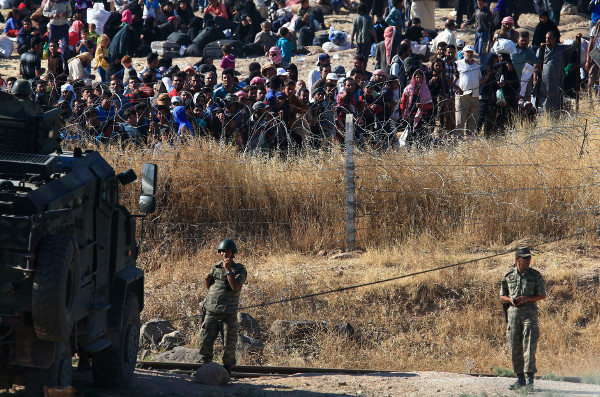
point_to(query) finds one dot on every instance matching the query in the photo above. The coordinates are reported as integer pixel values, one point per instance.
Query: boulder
(211, 374)
(245, 344)
(248, 325)
(295, 331)
(171, 340)
(180, 354)
(153, 331)
(569, 9)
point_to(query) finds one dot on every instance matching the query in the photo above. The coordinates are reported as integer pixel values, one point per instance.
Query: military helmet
(21, 88)
(228, 244)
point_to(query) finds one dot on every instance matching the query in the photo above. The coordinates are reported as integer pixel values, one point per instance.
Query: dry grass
(415, 210)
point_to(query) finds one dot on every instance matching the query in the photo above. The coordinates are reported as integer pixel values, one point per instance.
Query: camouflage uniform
(523, 331)
(220, 313)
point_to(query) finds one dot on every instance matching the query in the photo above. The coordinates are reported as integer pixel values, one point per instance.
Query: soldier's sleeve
(241, 274)
(540, 285)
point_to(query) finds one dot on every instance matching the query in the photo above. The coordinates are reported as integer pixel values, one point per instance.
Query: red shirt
(218, 11)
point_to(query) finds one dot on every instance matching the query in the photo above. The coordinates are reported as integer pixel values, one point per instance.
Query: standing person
(59, 11)
(224, 283)
(364, 30)
(30, 66)
(553, 70)
(482, 17)
(447, 35)
(57, 63)
(524, 55)
(386, 49)
(448, 120)
(544, 26)
(467, 103)
(102, 57)
(555, 6)
(507, 31)
(521, 288)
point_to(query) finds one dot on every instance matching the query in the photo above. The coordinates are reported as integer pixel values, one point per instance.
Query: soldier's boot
(530, 379)
(519, 383)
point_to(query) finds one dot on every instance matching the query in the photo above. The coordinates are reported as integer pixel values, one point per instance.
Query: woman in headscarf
(386, 49)
(416, 106)
(185, 13)
(77, 66)
(184, 127)
(74, 35)
(488, 108)
(122, 43)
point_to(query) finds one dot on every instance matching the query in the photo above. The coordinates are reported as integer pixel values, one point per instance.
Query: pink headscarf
(127, 17)
(76, 27)
(424, 96)
(277, 58)
(388, 38)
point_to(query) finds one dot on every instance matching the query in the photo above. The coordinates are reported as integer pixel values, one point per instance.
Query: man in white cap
(467, 102)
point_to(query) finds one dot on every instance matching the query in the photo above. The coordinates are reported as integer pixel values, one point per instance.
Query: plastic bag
(330, 47)
(337, 37)
(504, 46)
(6, 46)
(500, 99)
(98, 15)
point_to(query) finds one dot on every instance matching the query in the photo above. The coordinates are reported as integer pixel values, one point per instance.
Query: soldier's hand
(227, 263)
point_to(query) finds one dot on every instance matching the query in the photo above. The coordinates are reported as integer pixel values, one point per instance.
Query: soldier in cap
(224, 283)
(521, 288)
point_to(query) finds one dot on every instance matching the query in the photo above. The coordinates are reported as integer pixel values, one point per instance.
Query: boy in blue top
(285, 45)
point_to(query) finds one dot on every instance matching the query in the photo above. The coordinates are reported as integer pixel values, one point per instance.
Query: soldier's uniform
(523, 331)
(220, 313)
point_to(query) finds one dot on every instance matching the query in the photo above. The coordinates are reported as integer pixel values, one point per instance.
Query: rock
(343, 329)
(180, 355)
(246, 344)
(171, 340)
(211, 374)
(153, 331)
(342, 255)
(295, 331)
(248, 325)
(569, 9)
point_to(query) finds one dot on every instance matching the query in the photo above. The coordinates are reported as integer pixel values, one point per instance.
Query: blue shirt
(104, 115)
(286, 47)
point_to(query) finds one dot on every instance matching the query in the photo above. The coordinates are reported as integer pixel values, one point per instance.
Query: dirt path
(155, 383)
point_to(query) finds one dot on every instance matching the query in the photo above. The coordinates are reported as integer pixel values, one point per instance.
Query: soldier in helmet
(521, 288)
(224, 283)
(22, 90)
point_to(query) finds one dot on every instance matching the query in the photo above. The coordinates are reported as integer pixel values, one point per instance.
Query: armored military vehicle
(68, 277)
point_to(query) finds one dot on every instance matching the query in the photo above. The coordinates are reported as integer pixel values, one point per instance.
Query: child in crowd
(85, 43)
(228, 61)
(13, 24)
(93, 35)
(102, 58)
(285, 45)
(150, 7)
(127, 71)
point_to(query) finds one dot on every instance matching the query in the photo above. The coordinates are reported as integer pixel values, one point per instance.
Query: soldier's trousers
(214, 323)
(523, 333)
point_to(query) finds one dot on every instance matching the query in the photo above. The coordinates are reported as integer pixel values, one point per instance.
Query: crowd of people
(427, 87)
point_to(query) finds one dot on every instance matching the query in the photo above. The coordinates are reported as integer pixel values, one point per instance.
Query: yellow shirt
(101, 63)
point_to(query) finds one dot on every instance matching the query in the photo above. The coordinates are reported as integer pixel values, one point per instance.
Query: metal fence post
(350, 200)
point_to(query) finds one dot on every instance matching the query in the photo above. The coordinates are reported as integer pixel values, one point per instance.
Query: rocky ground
(155, 383)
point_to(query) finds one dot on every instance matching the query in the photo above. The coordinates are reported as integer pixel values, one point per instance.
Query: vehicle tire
(55, 287)
(60, 373)
(114, 366)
